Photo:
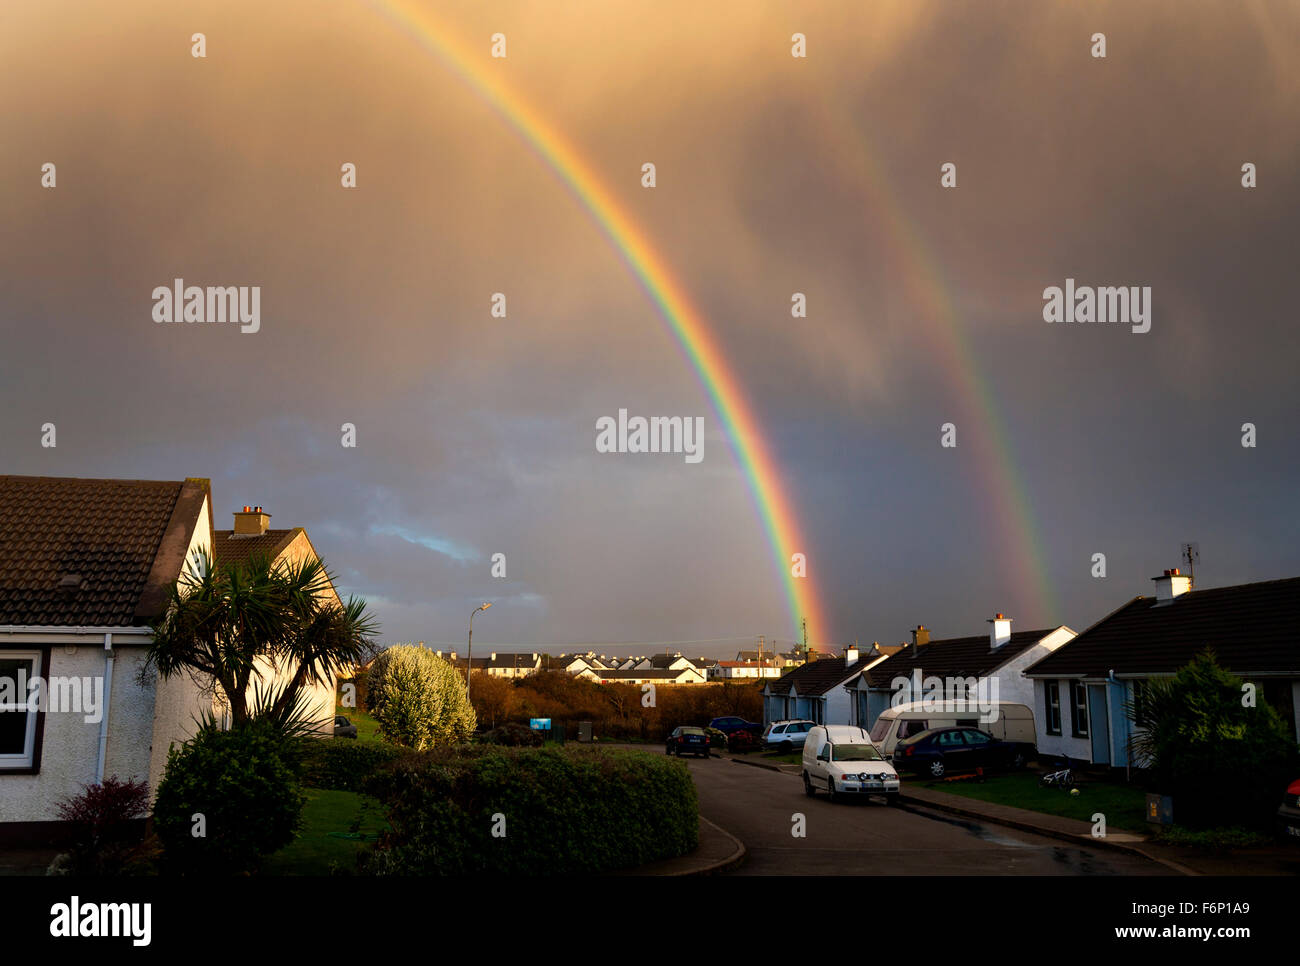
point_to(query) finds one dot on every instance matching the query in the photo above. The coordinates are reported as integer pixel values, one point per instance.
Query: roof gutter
(56, 629)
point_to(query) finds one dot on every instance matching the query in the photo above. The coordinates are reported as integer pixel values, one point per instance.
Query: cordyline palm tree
(221, 621)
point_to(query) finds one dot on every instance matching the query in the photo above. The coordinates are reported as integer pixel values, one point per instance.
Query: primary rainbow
(654, 276)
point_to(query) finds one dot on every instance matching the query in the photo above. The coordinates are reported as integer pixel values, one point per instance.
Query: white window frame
(27, 759)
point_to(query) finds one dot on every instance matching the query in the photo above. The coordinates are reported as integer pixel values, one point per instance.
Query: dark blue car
(950, 751)
(688, 741)
(731, 723)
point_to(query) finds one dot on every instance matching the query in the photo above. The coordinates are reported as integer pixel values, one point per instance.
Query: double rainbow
(653, 274)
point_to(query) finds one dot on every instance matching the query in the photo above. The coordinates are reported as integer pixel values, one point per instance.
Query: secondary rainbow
(652, 272)
(1020, 558)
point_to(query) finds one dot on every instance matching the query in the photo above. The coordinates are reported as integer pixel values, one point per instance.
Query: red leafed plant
(104, 839)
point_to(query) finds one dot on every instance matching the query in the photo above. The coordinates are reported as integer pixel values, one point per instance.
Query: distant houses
(668, 668)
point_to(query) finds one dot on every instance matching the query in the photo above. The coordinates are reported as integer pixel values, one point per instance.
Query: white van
(1014, 722)
(842, 760)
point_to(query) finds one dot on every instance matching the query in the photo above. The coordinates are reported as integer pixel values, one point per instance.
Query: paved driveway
(869, 837)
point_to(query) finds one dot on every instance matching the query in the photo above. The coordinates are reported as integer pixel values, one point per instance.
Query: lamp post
(469, 659)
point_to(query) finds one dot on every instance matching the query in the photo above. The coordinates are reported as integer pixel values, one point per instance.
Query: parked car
(1288, 813)
(731, 723)
(944, 751)
(343, 728)
(842, 759)
(786, 736)
(717, 739)
(1011, 721)
(688, 740)
(743, 741)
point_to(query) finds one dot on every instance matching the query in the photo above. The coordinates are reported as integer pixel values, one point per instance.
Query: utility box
(584, 732)
(1160, 809)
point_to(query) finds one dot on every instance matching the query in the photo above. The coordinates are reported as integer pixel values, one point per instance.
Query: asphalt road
(758, 806)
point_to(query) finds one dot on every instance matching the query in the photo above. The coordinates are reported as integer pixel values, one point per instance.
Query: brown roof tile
(1251, 628)
(124, 539)
(227, 548)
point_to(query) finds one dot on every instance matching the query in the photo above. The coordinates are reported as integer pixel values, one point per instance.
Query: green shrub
(341, 764)
(244, 784)
(1224, 764)
(512, 735)
(418, 698)
(565, 811)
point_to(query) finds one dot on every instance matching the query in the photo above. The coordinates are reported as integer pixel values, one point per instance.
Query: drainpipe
(108, 702)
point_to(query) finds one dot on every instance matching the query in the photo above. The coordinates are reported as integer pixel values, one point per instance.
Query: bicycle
(1063, 778)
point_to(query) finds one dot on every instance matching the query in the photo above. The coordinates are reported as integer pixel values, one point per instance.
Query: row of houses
(671, 668)
(1079, 686)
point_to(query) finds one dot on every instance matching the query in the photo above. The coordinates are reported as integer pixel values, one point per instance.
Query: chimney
(1000, 632)
(920, 637)
(251, 522)
(1171, 584)
(494, 656)
(851, 655)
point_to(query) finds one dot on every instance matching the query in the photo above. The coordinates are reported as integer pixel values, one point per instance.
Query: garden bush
(418, 698)
(565, 810)
(341, 764)
(244, 782)
(512, 735)
(107, 823)
(1224, 762)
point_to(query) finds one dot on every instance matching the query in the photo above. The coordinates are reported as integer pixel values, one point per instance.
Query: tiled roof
(953, 657)
(818, 677)
(227, 548)
(1251, 627)
(663, 673)
(124, 539)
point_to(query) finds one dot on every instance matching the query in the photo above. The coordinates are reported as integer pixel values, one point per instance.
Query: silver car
(786, 736)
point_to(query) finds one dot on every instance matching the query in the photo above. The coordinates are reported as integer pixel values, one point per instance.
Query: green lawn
(1123, 805)
(367, 727)
(793, 758)
(336, 826)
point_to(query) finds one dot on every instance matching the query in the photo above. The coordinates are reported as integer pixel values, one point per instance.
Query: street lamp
(469, 659)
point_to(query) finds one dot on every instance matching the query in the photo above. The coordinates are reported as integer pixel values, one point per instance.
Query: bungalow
(682, 675)
(731, 670)
(252, 536)
(85, 568)
(955, 668)
(816, 691)
(1082, 690)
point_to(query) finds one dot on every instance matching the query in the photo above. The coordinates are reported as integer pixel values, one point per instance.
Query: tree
(494, 700)
(221, 622)
(1224, 759)
(418, 698)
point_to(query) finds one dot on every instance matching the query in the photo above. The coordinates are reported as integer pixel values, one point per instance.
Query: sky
(476, 435)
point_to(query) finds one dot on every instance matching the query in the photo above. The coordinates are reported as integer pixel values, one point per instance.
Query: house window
(20, 724)
(1052, 689)
(1079, 709)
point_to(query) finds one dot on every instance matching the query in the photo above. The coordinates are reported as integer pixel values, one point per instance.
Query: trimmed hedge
(342, 764)
(566, 810)
(513, 735)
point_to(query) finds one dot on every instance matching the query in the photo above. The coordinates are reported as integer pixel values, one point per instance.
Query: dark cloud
(775, 175)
